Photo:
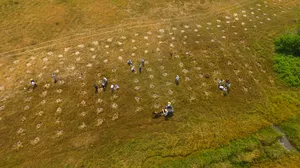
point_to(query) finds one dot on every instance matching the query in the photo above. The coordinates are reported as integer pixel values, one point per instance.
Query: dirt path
(283, 140)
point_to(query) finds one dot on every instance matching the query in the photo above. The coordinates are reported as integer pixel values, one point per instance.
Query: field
(67, 124)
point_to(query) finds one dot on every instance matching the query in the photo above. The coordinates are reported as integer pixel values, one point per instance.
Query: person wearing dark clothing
(140, 68)
(227, 84)
(96, 88)
(143, 62)
(177, 79)
(129, 62)
(54, 78)
(168, 111)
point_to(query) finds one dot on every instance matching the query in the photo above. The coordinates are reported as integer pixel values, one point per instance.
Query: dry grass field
(67, 124)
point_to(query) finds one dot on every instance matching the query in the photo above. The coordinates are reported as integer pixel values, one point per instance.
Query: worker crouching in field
(33, 84)
(167, 112)
(224, 86)
(132, 69)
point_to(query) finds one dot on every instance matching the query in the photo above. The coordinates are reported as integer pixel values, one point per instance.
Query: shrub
(274, 151)
(288, 44)
(288, 69)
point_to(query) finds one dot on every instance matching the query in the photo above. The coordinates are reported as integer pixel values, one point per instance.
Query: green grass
(282, 105)
(242, 152)
(291, 128)
(289, 160)
(288, 69)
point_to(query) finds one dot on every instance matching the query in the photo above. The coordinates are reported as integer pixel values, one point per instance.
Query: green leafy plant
(288, 44)
(288, 69)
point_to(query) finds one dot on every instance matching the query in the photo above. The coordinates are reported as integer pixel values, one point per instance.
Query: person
(143, 62)
(165, 112)
(96, 88)
(225, 91)
(33, 84)
(132, 69)
(129, 62)
(169, 107)
(112, 88)
(177, 79)
(54, 78)
(140, 68)
(105, 80)
(168, 110)
(81, 76)
(227, 84)
(221, 84)
(104, 83)
(117, 87)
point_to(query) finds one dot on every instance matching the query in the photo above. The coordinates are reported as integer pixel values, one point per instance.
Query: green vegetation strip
(292, 129)
(288, 69)
(259, 147)
(287, 61)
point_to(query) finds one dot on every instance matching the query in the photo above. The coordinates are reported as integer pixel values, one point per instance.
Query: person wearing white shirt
(177, 79)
